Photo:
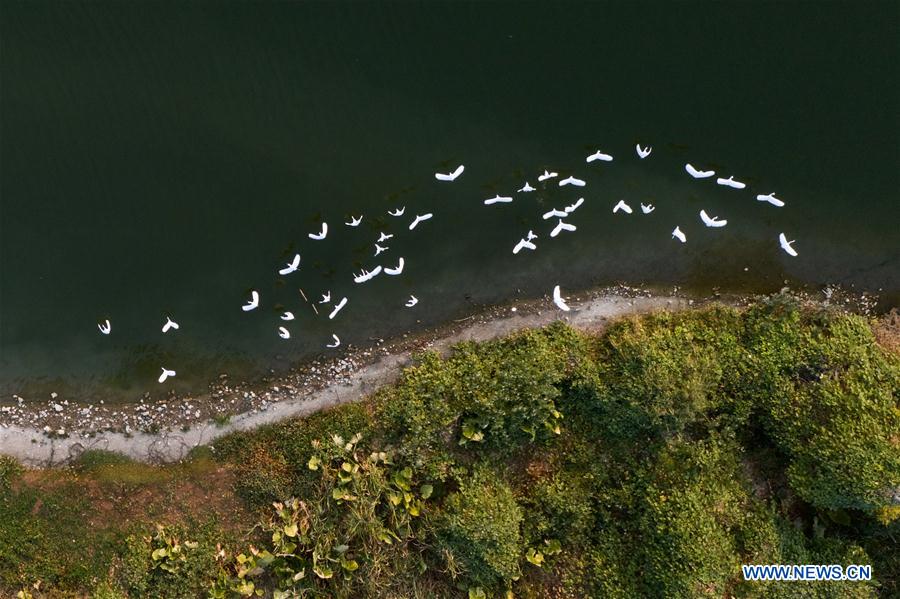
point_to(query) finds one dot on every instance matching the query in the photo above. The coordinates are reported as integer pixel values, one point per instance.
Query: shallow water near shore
(165, 158)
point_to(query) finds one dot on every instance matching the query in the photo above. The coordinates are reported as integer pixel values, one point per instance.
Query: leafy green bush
(10, 470)
(480, 527)
(95, 459)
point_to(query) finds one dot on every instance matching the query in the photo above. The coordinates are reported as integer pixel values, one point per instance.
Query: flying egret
(527, 188)
(420, 218)
(337, 340)
(354, 221)
(697, 174)
(599, 155)
(642, 152)
(383, 237)
(170, 324)
(711, 222)
(786, 245)
(326, 297)
(397, 211)
(573, 207)
(284, 333)
(451, 176)
(558, 300)
(622, 206)
(571, 181)
(547, 175)
(412, 301)
(292, 266)
(166, 373)
(379, 249)
(647, 208)
(555, 214)
(367, 275)
(498, 199)
(677, 234)
(287, 316)
(321, 234)
(253, 303)
(524, 244)
(337, 308)
(531, 235)
(770, 198)
(395, 271)
(730, 182)
(105, 327)
(561, 226)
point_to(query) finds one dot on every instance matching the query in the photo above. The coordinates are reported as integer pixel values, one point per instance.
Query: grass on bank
(649, 461)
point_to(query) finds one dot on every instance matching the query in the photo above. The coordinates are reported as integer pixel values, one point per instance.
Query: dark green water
(166, 157)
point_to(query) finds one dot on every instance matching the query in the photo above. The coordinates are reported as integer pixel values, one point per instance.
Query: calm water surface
(164, 158)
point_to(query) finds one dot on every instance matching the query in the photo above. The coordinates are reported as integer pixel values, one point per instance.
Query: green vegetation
(649, 461)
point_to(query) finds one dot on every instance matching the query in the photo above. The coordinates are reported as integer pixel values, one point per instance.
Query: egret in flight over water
(498, 199)
(562, 226)
(105, 327)
(647, 208)
(397, 211)
(287, 316)
(366, 275)
(379, 249)
(354, 221)
(547, 175)
(326, 297)
(770, 198)
(450, 176)
(412, 301)
(555, 214)
(527, 188)
(321, 234)
(395, 271)
(711, 222)
(170, 324)
(730, 182)
(524, 244)
(698, 174)
(337, 308)
(559, 301)
(383, 237)
(166, 373)
(284, 333)
(623, 207)
(677, 234)
(253, 303)
(292, 266)
(599, 155)
(573, 207)
(786, 245)
(337, 340)
(642, 152)
(571, 181)
(420, 218)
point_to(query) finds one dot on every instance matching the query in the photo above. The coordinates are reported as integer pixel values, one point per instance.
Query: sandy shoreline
(166, 431)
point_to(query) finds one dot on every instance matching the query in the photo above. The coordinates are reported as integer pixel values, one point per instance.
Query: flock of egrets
(526, 243)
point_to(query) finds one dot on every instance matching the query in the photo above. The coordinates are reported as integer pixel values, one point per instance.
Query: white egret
(599, 155)
(698, 174)
(367, 275)
(170, 324)
(379, 249)
(292, 266)
(711, 222)
(572, 181)
(397, 211)
(287, 316)
(547, 175)
(384, 237)
(770, 198)
(527, 188)
(337, 308)
(354, 221)
(642, 152)
(623, 207)
(573, 207)
(450, 176)
(284, 333)
(420, 218)
(412, 301)
(337, 340)
(786, 245)
(498, 199)
(531, 235)
(730, 182)
(560, 227)
(559, 301)
(647, 208)
(555, 214)
(105, 327)
(326, 297)
(524, 244)
(166, 373)
(677, 234)
(395, 271)
(253, 303)
(321, 234)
